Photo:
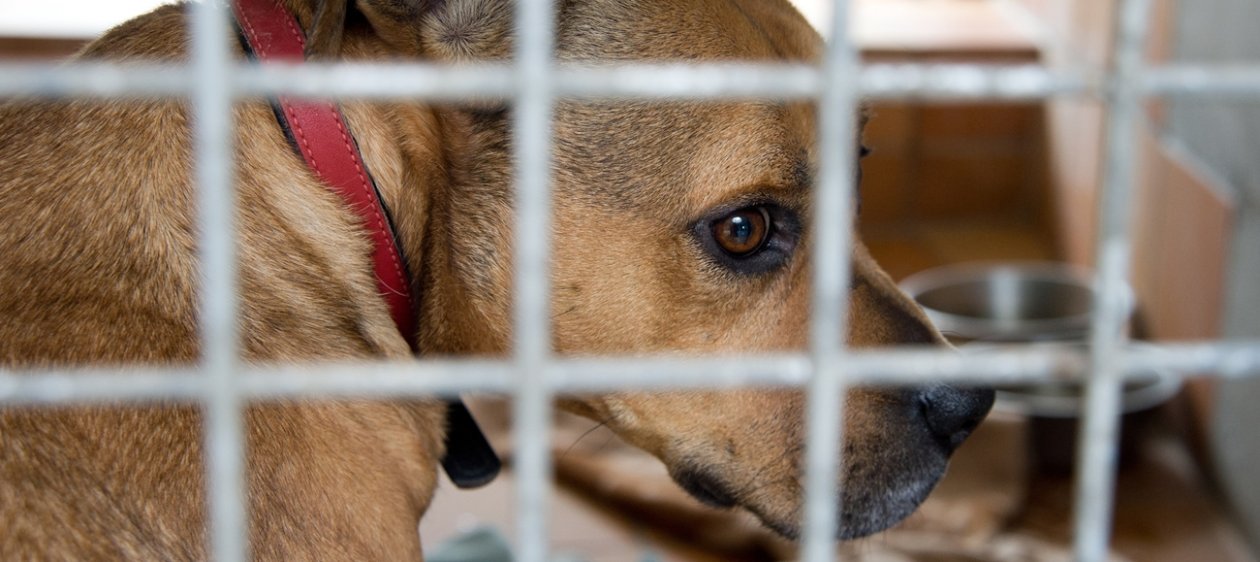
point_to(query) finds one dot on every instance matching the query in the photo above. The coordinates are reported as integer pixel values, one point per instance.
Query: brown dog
(679, 227)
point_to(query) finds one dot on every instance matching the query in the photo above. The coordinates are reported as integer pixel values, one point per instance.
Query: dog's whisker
(606, 442)
(602, 423)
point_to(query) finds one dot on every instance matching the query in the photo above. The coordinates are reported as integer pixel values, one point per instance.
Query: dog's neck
(319, 133)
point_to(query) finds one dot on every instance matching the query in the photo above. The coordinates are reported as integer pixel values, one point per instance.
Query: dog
(679, 227)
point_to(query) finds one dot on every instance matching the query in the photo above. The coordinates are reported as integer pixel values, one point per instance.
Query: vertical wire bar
(833, 228)
(532, 330)
(1099, 435)
(212, 126)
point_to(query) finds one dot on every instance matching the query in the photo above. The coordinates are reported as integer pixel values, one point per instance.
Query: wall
(951, 182)
(1196, 226)
(1226, 136)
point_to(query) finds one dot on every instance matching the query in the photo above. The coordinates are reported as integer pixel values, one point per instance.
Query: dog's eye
(743, 232)
(749, 240)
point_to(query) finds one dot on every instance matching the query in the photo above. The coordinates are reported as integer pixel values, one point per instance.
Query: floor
(616, 505)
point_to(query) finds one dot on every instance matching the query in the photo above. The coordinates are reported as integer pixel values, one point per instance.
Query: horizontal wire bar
(386, 81)
(449, 377)
(674, 81)
(349, 380)
(690, 81)
(94, 79)
(947, 82)
(1225, 359)
(1203, 80)
(438, 82)
(381, 380)
(182, 384)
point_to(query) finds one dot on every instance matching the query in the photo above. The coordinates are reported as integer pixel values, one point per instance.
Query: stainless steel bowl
(992, 303)
(1031, 301)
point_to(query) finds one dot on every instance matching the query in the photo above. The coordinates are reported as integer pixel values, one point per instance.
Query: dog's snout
(951, 413)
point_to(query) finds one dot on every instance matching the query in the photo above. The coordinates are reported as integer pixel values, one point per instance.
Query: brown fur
(97, 266)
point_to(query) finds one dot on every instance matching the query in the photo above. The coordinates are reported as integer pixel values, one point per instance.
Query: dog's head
(679, 227)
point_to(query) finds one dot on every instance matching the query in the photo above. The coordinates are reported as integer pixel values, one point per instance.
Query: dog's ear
(451, 30)
(324, 22)
(328, 23)
(395, 21)
(399, 22)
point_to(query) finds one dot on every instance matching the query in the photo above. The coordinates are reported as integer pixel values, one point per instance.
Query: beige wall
(1181, 219)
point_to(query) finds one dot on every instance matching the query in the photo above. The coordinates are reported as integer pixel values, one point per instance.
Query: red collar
(319, 133)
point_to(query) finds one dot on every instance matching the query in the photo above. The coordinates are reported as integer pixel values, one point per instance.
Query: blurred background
(1002, 185)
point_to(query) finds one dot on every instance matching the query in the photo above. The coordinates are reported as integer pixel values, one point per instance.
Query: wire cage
(223, 384)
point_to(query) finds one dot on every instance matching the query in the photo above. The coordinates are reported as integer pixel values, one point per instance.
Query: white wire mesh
(837, 115)
(928, 82)
(212, 144)
(532, 329)
(211, 82)
(1100, 435)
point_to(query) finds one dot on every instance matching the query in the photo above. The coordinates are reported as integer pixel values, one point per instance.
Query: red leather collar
(321, 135)
(319, 132)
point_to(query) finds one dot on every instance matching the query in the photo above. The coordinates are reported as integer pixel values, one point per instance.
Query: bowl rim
(972, 327)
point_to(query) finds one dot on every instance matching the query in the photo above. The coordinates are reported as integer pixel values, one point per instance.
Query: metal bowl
(1043, 304)
(1005, 301)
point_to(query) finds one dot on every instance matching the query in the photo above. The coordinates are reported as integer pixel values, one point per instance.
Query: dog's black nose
(951, 413)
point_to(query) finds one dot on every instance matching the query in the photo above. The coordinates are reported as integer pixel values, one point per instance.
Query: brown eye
(743, 232)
